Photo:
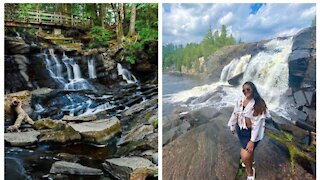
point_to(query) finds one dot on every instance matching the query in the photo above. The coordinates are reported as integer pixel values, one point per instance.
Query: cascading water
(126, 74)
(268, 70)
(92, 69)
(52, 68)
(57, 63)
(234, 68)
(75, 80)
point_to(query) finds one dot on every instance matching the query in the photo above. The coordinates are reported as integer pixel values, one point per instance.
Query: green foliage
(148, 34)
(155, 123)
(289, 141)
(100, 36)
(178, 56)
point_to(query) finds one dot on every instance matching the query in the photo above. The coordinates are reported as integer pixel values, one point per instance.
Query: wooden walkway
(49, 19)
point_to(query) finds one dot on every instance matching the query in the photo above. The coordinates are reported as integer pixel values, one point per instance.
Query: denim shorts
(244, 136)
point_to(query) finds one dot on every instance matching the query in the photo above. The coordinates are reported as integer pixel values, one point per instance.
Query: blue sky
(183, 23)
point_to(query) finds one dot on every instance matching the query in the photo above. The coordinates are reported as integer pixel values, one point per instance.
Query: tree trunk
(102, 13)
(120, 23)
(132, 20)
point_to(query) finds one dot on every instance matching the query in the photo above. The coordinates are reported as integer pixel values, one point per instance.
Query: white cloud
(226, 19)
(189, 22)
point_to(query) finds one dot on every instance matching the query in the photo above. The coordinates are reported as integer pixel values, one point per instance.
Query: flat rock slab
(22, 138)
(121, 168)
(79, 118)
(63, 167)
(98, 131)
(136, 134)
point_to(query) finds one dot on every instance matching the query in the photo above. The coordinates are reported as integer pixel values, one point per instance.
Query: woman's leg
(247, 158)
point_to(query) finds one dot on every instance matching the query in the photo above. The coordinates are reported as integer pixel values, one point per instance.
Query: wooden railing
(43, 18)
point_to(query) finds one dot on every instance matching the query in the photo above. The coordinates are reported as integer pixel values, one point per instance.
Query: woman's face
(247, 91)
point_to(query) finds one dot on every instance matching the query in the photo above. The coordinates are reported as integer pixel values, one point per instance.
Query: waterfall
(57, 63)
(234, 68)
(268, 70)
(92, 69)
(75, 80)
(69, 71)
(126, 74)
(50, 66)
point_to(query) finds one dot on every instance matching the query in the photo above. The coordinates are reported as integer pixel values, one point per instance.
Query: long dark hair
(260, 106)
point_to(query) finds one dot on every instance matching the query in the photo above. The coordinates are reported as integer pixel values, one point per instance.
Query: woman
(248, 119)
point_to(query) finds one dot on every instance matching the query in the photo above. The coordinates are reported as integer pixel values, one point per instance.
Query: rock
(121, 168)
(98, 131)
(300, 98)
(41, 91)
(168, 136)
(22, 138)
(61, 135)
(134, 109)
(302, 60)
(136, 134)
(209, 150)
(235, 80)
(155, 157)
(148, 153)
(79, 118)
(63, 167)
(273, 162)
(203, 115)
(296, 115)
(144, 173)
(47, 123)
(304, 38)
(309, 95)
(16, 45)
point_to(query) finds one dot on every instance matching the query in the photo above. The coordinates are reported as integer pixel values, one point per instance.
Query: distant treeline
(187, 56)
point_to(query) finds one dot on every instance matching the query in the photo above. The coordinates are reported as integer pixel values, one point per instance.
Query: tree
(119, 11)
(102, 13)
(132, 20)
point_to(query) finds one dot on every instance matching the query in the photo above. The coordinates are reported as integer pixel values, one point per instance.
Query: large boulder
(210, 150)
(302, 59)
(22, 138)
(60, 134)
(98, 131)
(63, 167)
(16, 45)
(121, 168)
(16, 73)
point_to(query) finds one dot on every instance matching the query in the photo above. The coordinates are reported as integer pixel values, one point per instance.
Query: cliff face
(302, 60)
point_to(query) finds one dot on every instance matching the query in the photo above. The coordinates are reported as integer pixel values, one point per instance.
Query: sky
(184, 23)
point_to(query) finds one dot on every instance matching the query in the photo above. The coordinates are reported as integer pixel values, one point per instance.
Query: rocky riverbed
(92, 111)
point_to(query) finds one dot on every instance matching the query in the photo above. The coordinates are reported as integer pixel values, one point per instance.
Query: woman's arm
(233, 119)
(257, 124)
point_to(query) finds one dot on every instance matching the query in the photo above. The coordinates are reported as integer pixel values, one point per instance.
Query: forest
(130, 24)
(179, 55)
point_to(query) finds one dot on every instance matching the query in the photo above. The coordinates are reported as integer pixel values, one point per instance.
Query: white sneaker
(243, 165)
(254, 175)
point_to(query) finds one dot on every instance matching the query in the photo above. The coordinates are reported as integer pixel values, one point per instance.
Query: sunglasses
(245, 91)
